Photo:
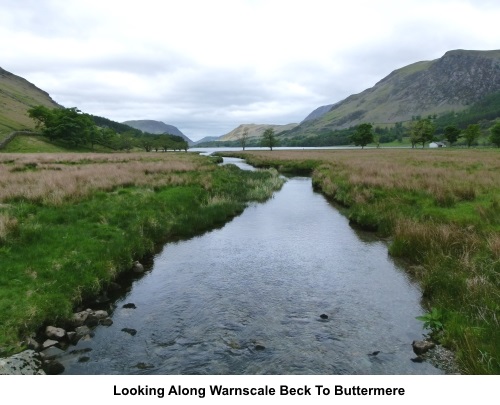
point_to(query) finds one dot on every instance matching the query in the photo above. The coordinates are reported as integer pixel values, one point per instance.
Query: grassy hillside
(17, 95)
(41, 144)
(254, 131)
(451, 83)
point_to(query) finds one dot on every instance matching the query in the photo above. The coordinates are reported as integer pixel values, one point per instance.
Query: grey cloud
(128, 72)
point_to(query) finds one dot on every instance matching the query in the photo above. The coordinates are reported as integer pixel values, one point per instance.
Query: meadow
(71, 223)
(441, 211)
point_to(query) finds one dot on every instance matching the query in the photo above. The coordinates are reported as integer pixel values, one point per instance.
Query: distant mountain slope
(206, 139)
(156, 127)
(17, 95)
(451, 83)
(318, 112)
(254, 131)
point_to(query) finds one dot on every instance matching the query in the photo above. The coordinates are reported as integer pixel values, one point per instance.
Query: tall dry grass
(464, 175)
(415, 239)
(56, 178)
(493, 242)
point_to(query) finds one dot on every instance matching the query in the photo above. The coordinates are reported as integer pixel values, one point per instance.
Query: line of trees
(71, 126)
(422, 131)
(65, 124)
(419, 132)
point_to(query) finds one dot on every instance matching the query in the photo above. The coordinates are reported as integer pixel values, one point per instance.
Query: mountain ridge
(254, 131)
(156, 127)
(450, 83)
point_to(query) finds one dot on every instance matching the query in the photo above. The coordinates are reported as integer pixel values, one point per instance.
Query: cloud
(207, 67)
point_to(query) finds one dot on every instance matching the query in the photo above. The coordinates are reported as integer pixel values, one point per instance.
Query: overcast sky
(207, 66)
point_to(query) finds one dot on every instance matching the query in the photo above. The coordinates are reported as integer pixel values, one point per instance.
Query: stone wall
(12, 135)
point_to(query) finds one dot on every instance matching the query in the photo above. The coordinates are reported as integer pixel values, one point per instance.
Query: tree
(66, 124)
(398, 131)
(166, 142)
(146, 142)
(157, 144)
(471, 134)
(42, 116)
(126, 142)
(108, 137)
(451, 134)
(244, 138)
(495, 134)
(94, 136)
(268, 138)
(421, 131)
(72, 126)
(363, 135)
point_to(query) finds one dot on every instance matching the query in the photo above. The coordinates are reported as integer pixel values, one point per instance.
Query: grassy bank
(441, 209)
(24, 143)
(70, 223)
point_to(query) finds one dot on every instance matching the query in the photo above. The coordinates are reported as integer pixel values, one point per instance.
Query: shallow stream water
(248, 299)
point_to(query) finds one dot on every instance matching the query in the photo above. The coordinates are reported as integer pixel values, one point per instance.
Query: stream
(248, 298)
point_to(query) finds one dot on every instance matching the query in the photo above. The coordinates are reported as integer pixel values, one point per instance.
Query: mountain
(318, 112)
(156, 127)
(254, 131)
(17, 95)
(451, 83)
(206, 139)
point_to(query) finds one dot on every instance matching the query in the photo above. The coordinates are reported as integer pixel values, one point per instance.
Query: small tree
(451, 134)
(363, 135)
(147, 142)
(268, 138)
(495, 134)
(126, 142)
(244, 138)
(421, 131)
(471, 134)
(399, 131)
